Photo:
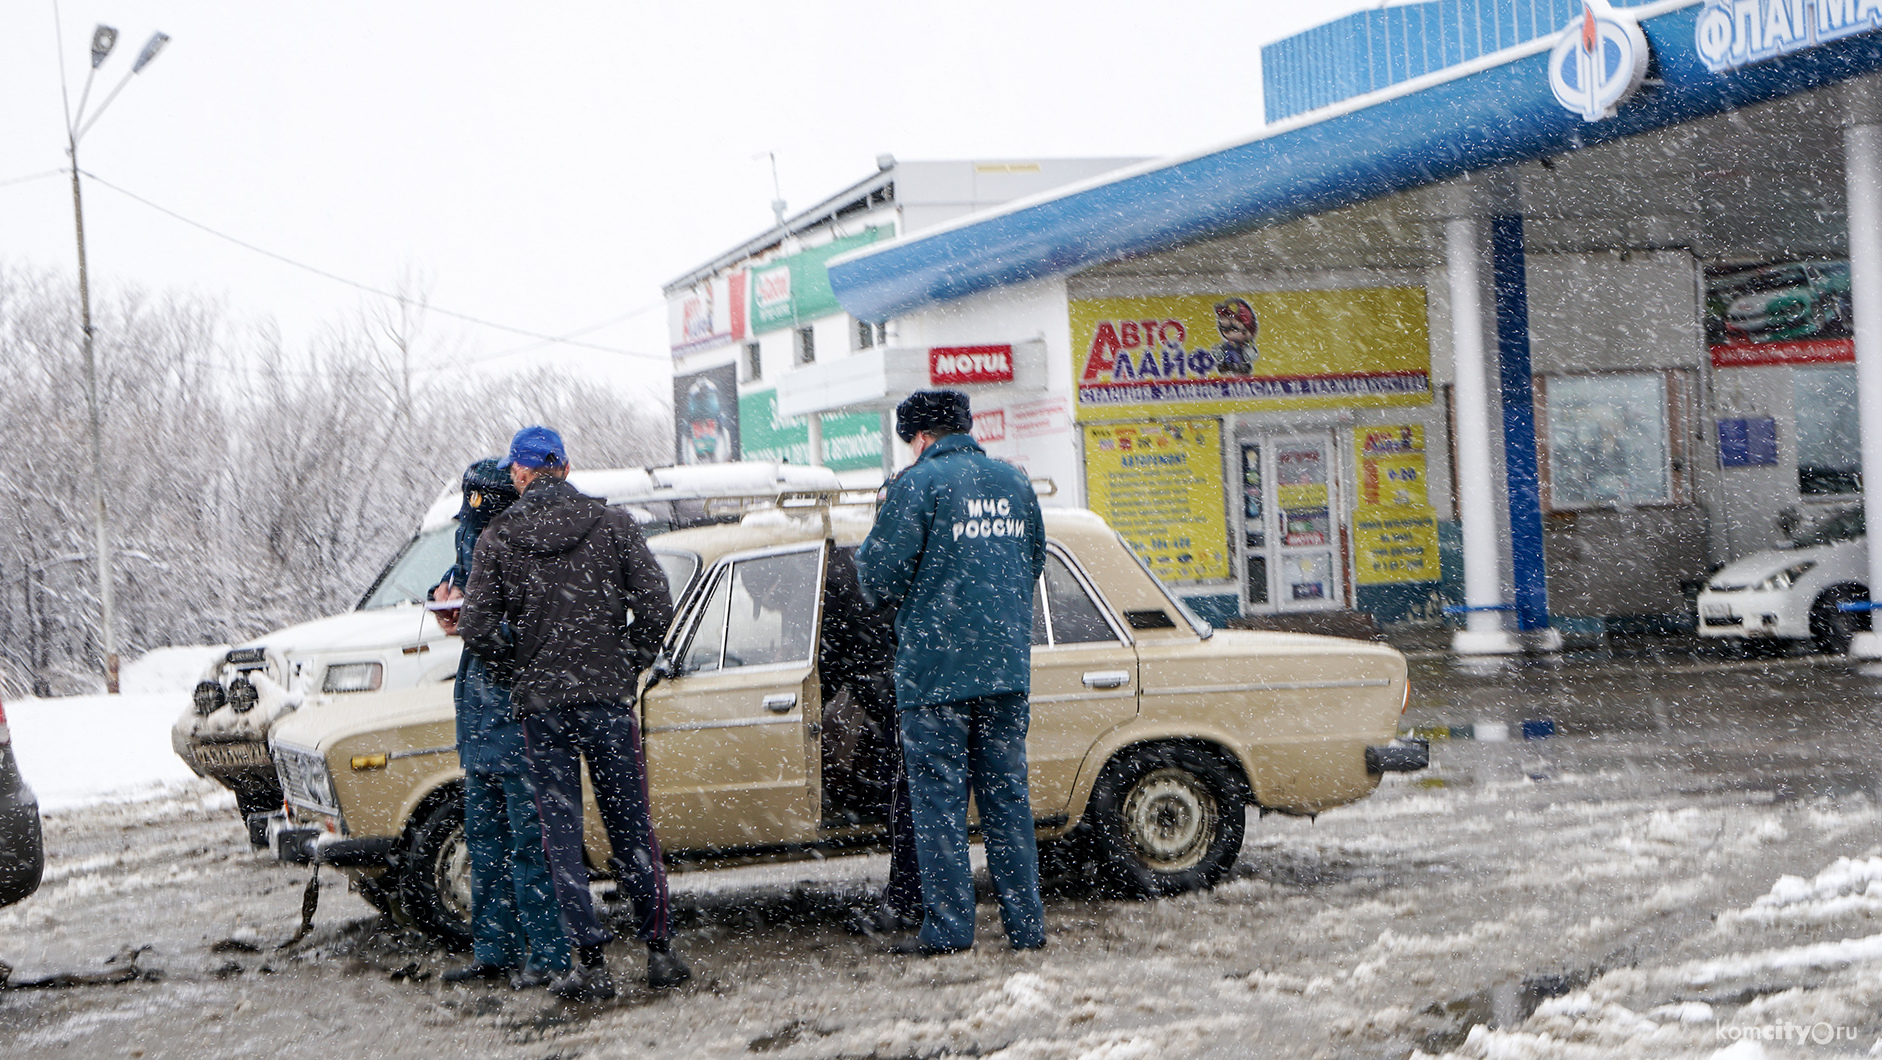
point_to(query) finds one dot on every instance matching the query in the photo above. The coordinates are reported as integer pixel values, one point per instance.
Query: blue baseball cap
(535, 446)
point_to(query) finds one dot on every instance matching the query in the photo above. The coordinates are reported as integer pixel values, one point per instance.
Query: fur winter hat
(933, 410)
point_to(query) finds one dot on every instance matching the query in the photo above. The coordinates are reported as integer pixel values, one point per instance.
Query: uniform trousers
(950, 749)
(512, 900)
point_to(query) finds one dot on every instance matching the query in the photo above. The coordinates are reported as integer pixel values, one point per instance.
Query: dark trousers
(512, 902)
(976, 745)
(608, 736)
(902, 895)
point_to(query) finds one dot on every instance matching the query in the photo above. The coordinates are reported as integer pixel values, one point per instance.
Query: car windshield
(418, 567)
(1846, 525)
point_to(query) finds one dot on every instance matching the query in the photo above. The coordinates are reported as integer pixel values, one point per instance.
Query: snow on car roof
(684, 483)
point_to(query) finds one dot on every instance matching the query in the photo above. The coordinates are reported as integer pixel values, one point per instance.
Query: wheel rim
(1172, 819)
(452, 870)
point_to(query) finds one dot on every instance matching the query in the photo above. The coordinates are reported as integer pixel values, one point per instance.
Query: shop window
(805, 339)
(1610, 441)
(754, 363)
(1829, 454)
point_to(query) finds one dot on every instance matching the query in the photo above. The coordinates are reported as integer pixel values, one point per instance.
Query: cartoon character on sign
(1235, 320)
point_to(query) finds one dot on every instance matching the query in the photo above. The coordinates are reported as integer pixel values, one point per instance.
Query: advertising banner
(1787, 312)
(797, 288)
(852, 441)
(1210, 353)
(705, 416)
(1395, 532)
(709, 313)
(1160, 486)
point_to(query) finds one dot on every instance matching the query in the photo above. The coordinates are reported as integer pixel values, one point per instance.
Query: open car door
(729, 735)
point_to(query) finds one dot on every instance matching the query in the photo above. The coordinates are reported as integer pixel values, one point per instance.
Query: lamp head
(151, 48)
(103, 39)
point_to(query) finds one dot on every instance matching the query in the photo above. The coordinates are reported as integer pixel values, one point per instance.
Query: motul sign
(954, 365)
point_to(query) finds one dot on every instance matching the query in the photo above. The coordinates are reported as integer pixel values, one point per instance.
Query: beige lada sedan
(763, 723)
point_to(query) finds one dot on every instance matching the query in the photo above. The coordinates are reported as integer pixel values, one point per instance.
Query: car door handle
(781, 703)
(1107, 678)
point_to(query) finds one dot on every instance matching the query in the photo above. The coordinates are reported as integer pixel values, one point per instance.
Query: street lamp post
(76, 125)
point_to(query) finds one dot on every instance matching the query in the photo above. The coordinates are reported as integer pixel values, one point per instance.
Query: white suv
(390, 641)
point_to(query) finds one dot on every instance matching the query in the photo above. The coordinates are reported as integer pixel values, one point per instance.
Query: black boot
(665, 969)
(588, 980)
(476, 970)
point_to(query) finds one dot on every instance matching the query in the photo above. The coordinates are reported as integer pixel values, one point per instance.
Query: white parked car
(1793, 593)
(391, 642)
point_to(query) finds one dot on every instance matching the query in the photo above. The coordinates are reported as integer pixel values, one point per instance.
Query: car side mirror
(661, 669)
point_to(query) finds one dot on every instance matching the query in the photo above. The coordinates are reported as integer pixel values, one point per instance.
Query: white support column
(1484, 632)
(1862, 170)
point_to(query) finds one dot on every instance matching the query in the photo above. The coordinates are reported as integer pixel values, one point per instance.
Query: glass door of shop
(1290, 529)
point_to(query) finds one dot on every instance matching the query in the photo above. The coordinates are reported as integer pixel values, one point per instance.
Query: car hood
(1749, 571)
(398, 624)
(369, 712)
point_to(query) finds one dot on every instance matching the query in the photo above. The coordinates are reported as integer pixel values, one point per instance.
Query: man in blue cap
(512, 900)
(566, 600)
(958, 546)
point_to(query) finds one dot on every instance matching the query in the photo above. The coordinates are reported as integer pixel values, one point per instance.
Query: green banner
(789, 290)
(852, 441)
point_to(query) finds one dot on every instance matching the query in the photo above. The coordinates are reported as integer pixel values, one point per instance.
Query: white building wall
(1036, 310)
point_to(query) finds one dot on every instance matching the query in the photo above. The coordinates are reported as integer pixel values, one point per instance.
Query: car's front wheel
(1831, 627)
(434, 873)
(1166, 818)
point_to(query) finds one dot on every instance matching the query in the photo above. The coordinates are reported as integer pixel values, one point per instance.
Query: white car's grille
(305, 780)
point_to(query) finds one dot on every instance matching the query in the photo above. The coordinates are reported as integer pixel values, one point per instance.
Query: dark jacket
(564, 571)
(958, 545)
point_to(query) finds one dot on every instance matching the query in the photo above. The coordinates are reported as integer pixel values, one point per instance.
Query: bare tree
(249, 487)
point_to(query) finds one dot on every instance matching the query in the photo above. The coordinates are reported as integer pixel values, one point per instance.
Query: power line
(546, 339)
(513, 351)
(32, 176)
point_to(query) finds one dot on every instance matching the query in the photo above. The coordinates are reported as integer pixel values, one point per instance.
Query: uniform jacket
(489, 738)
(958, 546)
(584, 602)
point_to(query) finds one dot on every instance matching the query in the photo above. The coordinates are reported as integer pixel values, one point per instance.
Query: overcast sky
(548, 166)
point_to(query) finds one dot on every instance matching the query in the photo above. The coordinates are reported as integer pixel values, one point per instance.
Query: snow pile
(79, 750)
(1849, 888)
(169, 670)
(1818, 956)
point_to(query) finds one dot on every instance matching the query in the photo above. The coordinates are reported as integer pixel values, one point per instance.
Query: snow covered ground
(1707, 890)
(79, 750)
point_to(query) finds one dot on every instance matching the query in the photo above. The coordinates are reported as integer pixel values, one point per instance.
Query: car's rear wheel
(1831, 627)
(434, 873)
(1166, 818)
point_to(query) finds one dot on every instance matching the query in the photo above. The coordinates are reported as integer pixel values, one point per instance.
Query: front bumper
(1750, 613)
(310, 846)
(1407, 754)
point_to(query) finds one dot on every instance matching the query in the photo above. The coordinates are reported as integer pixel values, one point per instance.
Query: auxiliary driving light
(208, 697)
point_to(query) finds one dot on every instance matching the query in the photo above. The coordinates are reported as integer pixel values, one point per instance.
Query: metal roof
(1495, 110)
